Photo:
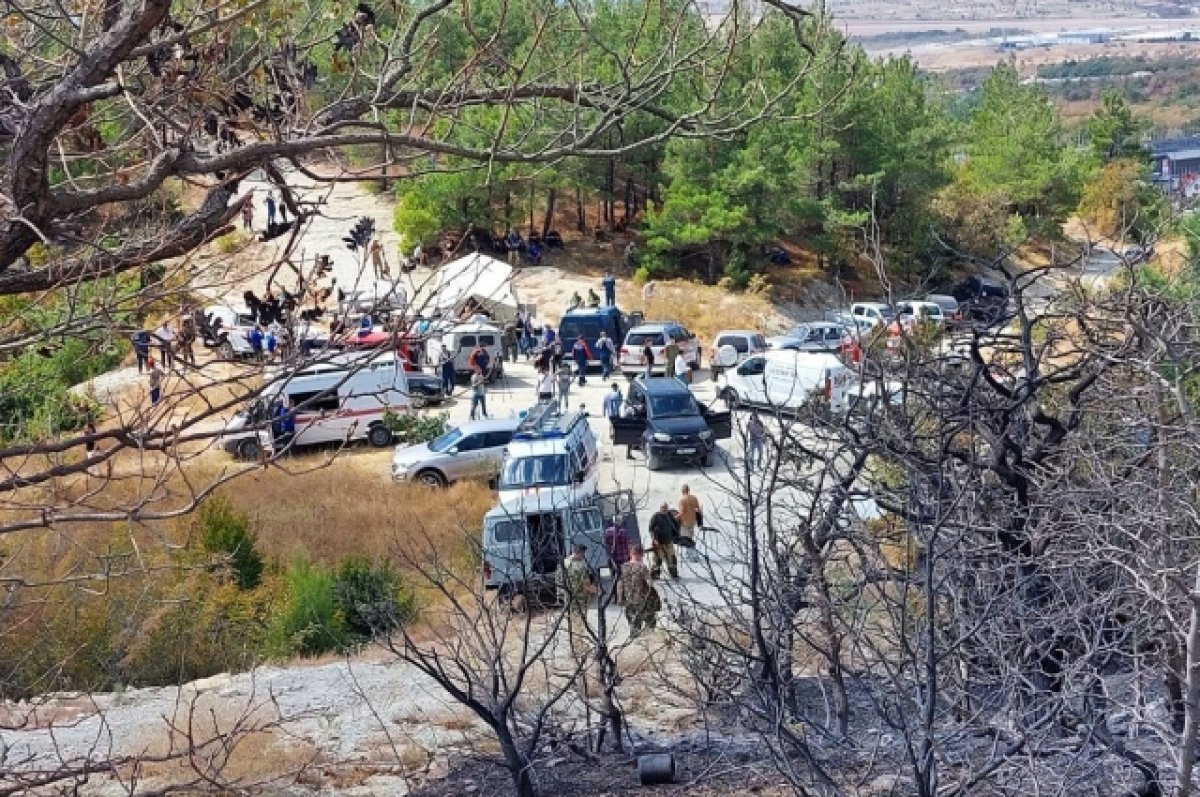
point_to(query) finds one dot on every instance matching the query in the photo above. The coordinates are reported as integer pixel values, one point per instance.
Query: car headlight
(662, 437)
(706, 435)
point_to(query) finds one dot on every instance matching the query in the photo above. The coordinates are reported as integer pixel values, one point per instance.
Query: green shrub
(371, 598)
(225, 531)
(309, 622)
(232, 242)
(414, 428)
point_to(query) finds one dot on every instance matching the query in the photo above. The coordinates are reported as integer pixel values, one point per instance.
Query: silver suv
(471, 451)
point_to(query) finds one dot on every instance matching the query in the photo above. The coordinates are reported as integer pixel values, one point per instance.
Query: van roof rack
(546, 421)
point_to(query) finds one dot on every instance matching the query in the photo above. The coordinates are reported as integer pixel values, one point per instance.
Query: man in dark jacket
(663, 530)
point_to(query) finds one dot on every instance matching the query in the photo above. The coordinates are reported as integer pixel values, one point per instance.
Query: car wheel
(708, 459)
(732, 399)
(418, 402)
(379, 436)
(225, 351)
(249, 449)
(431, 478)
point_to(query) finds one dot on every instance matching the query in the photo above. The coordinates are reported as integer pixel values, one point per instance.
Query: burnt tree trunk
(580, 215)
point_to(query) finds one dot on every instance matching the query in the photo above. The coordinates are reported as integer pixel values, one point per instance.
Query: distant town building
(1084, 37)
(1175, 163)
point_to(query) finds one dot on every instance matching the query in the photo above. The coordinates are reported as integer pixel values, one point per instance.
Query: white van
(232, 325)
(788, 380)
(875, 313)
(338, 400)
(462, 339)
(552, 461)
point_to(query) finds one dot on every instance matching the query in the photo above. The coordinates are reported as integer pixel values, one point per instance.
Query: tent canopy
(478, 281)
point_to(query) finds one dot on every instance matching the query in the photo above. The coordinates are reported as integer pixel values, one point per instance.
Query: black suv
(981, 299)
(668, 424)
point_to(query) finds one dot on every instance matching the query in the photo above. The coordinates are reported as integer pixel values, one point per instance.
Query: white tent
(478, 280)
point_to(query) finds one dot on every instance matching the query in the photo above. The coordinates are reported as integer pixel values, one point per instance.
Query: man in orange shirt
(689, 519)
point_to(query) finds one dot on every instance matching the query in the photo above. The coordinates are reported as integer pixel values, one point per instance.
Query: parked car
(657, 333)
(878, 313)
(789, 381)
(813, 336)
(231, 327)
(669, 425)
(743, 342)
(424, 389)
(950, 309)
(474, 450)
(912, 312)
(981, 299)
(1136, 254)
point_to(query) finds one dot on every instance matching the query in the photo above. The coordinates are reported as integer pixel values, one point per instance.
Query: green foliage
(1120, 202)
(416, 219)
(416, 428)
(371, 598)
(1114, 131)
(308, 623)
(225, 531)
(232, 242)
(34, 398)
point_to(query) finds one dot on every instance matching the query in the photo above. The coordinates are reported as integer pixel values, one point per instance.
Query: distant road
(871, 27)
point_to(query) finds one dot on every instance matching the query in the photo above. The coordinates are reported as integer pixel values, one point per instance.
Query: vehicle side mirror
(452, 450)
(727, 356)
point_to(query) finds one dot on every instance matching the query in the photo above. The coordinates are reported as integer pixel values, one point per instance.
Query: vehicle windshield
(444, 442)
(544, 471)
(571, 330)
(885, 312)
(676, 405)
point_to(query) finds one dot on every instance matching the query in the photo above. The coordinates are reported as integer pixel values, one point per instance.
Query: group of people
(675, 364)
(276, 211)
(635, 589)
(175, 340)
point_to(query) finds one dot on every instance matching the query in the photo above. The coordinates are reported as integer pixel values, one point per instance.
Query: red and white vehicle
(339, 399)
(657, 332)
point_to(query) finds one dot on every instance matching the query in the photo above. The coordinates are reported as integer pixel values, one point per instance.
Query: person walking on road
(610, 289)
(690, 517)
(613, 401)
(510, 342)
(166, 344)
(635, 589)
(447, 369)
(682, 369)
(479, 359)
(604, 353)
(564, 386)
(155, 377)
(670, 353)
(617, 545)
(545, 385)
(141, 347)
(663, 530)
(648, 357)
(187, 337)
(478, 394)
(756, 438)
(579, 584)
(582, 354)
(270, 202)
(248, 213)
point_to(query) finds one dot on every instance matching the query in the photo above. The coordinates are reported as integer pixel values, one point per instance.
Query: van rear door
(719, 423)
(587, 528)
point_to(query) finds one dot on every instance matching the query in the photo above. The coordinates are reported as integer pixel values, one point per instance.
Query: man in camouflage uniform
(579, 584)
(636, 590)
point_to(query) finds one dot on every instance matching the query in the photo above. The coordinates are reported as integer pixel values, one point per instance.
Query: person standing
(141, 348)
(545, 385)
(510, 342)
(616, 544)
(512, 242)
(187, 337)
(613, 401)
(756, 434)
(270, 201)
(582, 354)
(248, 212)
(155, 376)
(670, 352)
(630, 256)
(579, 584)
(378, 262)
(635, 590)
(690, 516)
(564, 387)
(648, 357)
(663, 530)
(478, 394)
(682, 369)
(166, 344)
(604, 352)
(610, 289)
(447, 370)
(479, 359)
(255, 339)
